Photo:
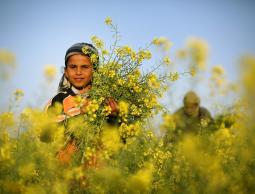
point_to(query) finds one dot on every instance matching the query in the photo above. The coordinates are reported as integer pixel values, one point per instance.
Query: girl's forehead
(79, 59)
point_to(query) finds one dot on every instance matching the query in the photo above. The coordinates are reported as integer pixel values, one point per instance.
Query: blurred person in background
(190, 119)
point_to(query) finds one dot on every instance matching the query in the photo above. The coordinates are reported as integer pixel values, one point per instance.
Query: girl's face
(79, 72)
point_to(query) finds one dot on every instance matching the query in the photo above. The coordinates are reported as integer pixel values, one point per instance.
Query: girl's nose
(78, 71)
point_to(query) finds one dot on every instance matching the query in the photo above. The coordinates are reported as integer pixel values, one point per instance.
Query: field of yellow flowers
(127, 155)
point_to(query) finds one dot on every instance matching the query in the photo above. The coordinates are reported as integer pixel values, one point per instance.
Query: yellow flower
(155, 41)
(168, 122)
(78, 99)
(131, 130)
(97, 42)
(91, 109)
(125, 51)
(199, 51)
(142, 180)
(218, 70)
(153, 81)
(193, 72)
(108, 21)
(133, 56)
(135, 110)
(7, 58)
(105, 52)
(137, 73)
(50, 71)
(146, 100)
(107, 110)
(123, 109)
(174, 76)
(142, 55)
(111, 139)
(121, 82)
(18, 94)
(162, 42)
(150, 134)
(111, 73)
(93, 58)
(5, 151)
(7, 120)
(167, 60)
(150, 102)
(137, 89)
(89, 152)
(7, 64)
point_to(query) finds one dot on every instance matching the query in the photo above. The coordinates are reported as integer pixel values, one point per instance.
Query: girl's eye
(72, 66)
(85, 66)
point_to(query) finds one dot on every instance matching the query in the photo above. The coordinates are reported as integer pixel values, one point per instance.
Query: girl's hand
(113, 104)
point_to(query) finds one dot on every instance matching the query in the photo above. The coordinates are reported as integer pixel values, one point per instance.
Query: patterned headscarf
(79, 48)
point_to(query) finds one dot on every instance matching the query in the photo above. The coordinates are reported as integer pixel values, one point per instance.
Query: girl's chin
(79, 87)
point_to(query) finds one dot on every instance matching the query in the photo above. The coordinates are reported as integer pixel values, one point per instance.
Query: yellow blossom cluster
(160, 157)
(162, 42)
(107, 110)
(108, 71)
(91, 109)
(218, 75)
(248, 64)
(50, 72)
(126, 51)
(108, 21)
(97, 42)
(7, 58)
(7, 119)
(135, 111)
(141, 181)
(18, 94)
(168, 123)
(174, 76)
(94, 58)
(198, 49)
(111, 73)
(218, 70)
(79, 101)
(131, 130)
(153, 80)
(150, 101)
(219, 83)
(121, 82)
(7, 64)
(6, 147)
(105, 52)
(143, 55)
(133, 81)
(123, 110)
(89, 153)
(167, 60)
(111, 139)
